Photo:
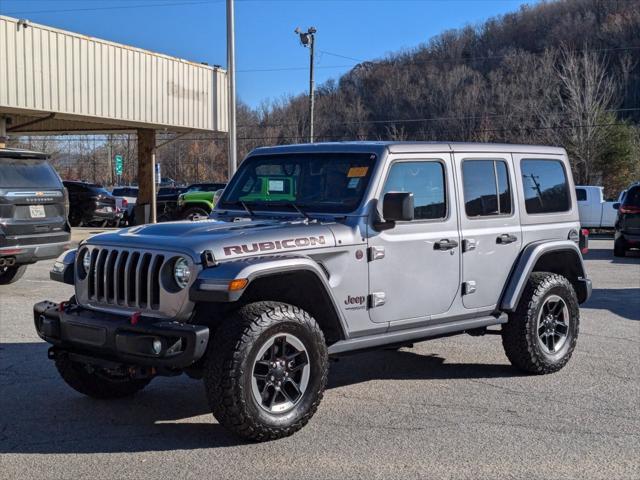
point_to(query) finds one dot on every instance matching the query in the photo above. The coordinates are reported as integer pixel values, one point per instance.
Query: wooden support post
(3, 132)
(146, 187)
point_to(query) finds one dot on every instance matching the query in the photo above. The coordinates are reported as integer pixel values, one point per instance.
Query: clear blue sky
(195, 30)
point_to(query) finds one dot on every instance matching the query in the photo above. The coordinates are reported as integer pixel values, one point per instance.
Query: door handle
(445, 244)
(506, 238)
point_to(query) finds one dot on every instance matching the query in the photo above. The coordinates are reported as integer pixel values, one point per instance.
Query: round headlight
(86, 261)
(181, 272)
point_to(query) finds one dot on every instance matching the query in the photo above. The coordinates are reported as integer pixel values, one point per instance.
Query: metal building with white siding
(54, 81)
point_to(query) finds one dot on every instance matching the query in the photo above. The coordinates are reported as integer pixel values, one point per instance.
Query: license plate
(37, 211)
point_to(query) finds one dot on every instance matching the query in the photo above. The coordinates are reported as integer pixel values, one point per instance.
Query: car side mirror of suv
(616, 205)
(396, 207)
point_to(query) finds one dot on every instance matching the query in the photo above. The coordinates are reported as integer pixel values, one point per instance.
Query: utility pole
(308, 39)
(231, 66)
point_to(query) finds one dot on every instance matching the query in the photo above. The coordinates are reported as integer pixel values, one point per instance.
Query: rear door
(490, 225)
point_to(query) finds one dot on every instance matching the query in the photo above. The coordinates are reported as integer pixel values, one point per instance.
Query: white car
(126, 198)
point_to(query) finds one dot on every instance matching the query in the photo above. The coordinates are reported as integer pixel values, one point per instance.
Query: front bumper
(114, 337)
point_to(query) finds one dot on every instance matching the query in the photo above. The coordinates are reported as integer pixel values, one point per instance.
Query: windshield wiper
(244, 206)
(299, 210)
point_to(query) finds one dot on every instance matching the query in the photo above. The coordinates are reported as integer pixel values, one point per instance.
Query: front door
(414, 268)
(490, 226)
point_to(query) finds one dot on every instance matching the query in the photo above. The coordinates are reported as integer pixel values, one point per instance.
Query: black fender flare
(212, 284)
(525, 264)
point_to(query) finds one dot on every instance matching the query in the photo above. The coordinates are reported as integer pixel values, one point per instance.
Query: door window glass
(426, 181)
(546, 189)
(486, 188)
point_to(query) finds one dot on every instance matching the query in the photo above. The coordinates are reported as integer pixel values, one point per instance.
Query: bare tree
(586, 94)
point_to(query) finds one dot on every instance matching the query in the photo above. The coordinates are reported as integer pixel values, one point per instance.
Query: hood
(226, 240)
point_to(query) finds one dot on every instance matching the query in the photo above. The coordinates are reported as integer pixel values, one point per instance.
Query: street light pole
(308, 39)
(231, 66)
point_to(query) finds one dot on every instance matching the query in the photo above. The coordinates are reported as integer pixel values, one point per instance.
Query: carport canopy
(55, 82)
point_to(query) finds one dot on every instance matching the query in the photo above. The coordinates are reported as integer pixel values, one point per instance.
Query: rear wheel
(541, 334)
(97, 383)
(266, 371)
(619, 248)
(11, 274)
(193, 213)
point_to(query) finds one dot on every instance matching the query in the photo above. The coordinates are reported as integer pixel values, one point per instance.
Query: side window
(487, 191)
(426, 181)
(581, 194)
(546, 189)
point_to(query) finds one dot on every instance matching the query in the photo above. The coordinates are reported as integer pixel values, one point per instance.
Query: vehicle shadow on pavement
(624, 302)
(407, 365)
(41, 414)
(607, 254)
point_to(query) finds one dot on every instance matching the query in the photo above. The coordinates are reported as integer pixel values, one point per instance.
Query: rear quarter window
(545, 185)
(581, 194)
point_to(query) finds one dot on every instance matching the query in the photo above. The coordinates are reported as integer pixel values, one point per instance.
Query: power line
(404, 63)
(118, 7)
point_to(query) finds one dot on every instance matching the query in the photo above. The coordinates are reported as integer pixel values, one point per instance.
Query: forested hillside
(561, 73)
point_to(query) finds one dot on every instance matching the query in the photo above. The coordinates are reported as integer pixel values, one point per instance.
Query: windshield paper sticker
(276, 185)
(355, 172)
(353, 183)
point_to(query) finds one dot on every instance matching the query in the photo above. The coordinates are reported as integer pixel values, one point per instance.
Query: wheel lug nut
(272, 378)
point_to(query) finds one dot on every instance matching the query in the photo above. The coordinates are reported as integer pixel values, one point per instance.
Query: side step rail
(414, 334)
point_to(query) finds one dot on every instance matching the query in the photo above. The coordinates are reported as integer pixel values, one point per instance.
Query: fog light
(157, 346)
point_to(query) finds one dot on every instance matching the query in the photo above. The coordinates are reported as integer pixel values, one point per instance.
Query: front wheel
(194, 213)
(266, 371)
(541, 334)
(11, 274)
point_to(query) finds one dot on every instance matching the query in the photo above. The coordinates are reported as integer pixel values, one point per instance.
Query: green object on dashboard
(272, 188)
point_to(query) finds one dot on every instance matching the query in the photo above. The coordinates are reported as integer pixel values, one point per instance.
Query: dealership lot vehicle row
(451, 408)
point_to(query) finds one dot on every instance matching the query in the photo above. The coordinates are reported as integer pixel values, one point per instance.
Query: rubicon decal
(288, 243)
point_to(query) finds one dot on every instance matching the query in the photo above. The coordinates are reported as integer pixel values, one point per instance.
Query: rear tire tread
(517, 338)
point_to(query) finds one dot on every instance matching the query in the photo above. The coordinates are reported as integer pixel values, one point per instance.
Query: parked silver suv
(322, 250)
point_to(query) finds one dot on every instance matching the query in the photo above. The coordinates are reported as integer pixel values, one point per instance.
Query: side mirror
(616, 205)
(396, 207)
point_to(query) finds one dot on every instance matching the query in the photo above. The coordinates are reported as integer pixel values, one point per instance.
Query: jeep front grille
(126, 278)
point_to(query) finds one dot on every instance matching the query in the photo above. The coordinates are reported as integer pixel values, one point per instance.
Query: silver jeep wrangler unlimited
(320, 250)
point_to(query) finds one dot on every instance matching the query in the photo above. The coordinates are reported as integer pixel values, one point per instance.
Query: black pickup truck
(33, 212)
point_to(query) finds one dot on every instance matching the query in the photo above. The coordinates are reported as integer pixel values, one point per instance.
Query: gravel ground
(448, 408)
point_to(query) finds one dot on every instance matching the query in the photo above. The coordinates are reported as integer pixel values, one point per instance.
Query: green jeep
(198, 200)
(272, 188)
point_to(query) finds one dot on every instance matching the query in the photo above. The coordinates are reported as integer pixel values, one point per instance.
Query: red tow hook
(134, 318)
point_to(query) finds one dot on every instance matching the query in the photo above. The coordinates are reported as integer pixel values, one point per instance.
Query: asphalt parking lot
(448, 408)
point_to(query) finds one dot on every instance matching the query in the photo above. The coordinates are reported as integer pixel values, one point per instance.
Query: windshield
(23, 173)
(328, 182)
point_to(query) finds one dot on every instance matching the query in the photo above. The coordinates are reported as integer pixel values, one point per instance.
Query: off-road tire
(95, 384)
(519, 334)
(192, 212)
(228, 369)
(11, 274)
(619, 248)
